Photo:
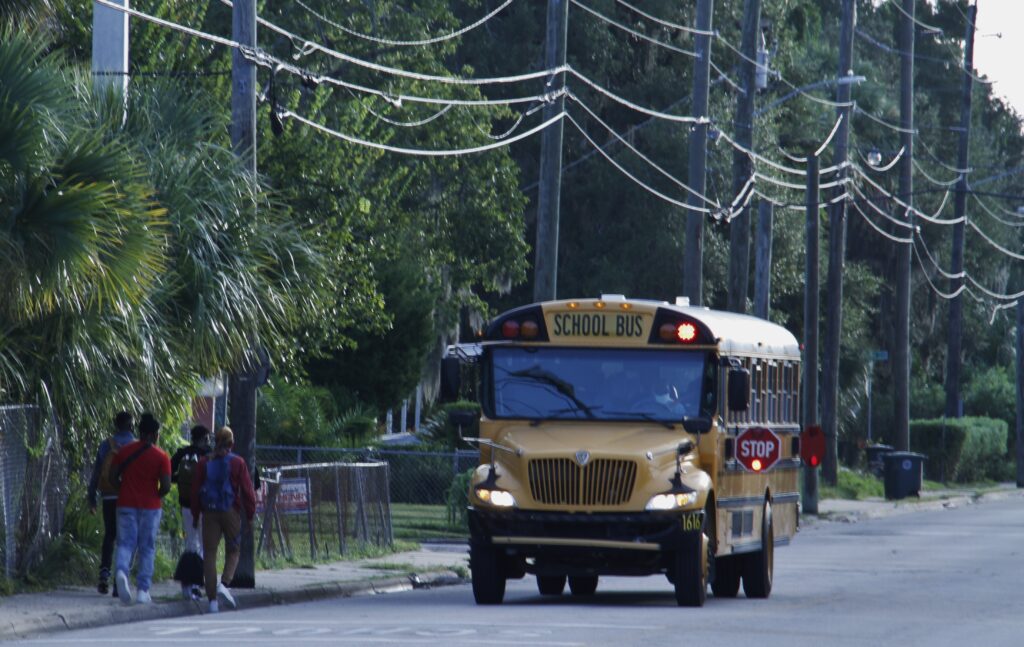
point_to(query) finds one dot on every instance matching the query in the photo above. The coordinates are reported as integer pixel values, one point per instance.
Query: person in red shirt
(221, 491)
(145, 472)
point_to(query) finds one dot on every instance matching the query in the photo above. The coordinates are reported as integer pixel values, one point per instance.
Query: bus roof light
(529, 329)
(686, 332)
(510, 329)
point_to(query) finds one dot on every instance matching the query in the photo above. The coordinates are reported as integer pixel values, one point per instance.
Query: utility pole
(694, 260)
(742, 165)
(763, 259)
(109, 47)
(242, 388)
(956, 305)
(1020, 393)
(811, 303)
(549, 194)
(901, 351)
(836, 254)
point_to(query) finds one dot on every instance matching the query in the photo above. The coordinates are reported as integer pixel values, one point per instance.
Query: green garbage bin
(903, 474)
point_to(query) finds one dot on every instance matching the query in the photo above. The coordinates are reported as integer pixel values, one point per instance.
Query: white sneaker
(214, 607)
(225, 592)
(124, 589)
(144, 597)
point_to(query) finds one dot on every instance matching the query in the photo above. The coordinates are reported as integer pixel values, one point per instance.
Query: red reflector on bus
(529, 329)
(510, 329)
(686, 332)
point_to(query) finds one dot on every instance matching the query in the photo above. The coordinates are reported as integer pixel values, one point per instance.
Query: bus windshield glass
(596, 383)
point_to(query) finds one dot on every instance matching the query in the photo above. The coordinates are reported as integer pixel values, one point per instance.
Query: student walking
(189, 571)
(100, 481)
(145, 473)
(221, 492)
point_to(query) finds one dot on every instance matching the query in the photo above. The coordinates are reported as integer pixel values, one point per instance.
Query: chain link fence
(415, 477)
(33, 486)
(320, 510)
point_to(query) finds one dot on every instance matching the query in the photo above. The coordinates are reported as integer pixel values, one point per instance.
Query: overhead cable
(895, 239)
(933, 218)
(878, 120)
(401, 43)
(640, 35)
(1005, 251)
(828, 140)
(887, 167)
(992, 214)
(665, 23)
(943, 183)
(880, 211)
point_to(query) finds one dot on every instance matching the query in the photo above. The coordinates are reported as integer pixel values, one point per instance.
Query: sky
(1001, 58)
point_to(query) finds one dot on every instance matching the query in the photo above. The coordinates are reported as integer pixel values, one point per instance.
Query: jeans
(109, 536)
(137, 528)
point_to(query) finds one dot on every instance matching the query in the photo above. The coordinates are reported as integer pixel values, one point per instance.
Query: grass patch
(354, 552)
(418, 522)
(853, 485)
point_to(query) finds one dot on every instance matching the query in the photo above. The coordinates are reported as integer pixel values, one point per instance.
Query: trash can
(903, 474)
(875, 454)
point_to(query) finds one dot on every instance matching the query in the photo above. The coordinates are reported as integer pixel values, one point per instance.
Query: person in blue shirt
(122, 436)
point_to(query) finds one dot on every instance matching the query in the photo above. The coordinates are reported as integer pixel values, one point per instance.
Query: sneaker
(103, 587)
(214, 607)
(124, 589)
(197, 593)
(225, 592)
(144, 597)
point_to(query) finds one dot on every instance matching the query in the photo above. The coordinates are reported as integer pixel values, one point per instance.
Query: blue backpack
(217, 493)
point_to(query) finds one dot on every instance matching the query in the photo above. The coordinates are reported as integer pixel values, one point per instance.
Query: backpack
(106, 482)
(186, 470)
(217, 494)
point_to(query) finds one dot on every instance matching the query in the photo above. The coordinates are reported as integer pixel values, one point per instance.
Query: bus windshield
(597, 384)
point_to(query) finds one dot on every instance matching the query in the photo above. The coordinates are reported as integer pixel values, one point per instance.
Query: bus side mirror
(462, 419)
(451, 379)
(739, 389)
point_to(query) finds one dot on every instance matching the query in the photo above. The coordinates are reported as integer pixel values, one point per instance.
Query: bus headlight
(671, 500)
(497, 498)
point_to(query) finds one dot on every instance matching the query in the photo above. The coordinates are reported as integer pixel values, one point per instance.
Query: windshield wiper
(563, 387)
(643, 414)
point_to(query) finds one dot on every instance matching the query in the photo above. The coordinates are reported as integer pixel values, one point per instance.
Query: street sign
(880, 356)
(758, 449)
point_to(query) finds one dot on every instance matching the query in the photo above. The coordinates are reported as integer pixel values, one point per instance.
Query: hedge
(960, 449)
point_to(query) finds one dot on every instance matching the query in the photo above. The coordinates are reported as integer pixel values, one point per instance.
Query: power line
(665, 23)
(642, 36)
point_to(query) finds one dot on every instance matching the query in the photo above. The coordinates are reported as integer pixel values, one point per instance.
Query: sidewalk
(81, 607)
(432, 565)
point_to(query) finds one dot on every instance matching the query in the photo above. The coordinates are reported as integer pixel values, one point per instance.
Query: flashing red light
(756, 465)
(686, 332)
(510, 329)
(529, 329)
(814, 461)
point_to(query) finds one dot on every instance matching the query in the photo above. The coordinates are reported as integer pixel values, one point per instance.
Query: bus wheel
(690, 579)
(759, 566)
(550, 584)
(583, 584)
(727, 576)
(488, 576)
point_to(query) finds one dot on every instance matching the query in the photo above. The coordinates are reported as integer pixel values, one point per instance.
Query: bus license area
(597, 324)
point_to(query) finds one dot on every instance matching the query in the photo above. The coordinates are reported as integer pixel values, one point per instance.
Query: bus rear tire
(551, 584)
(690, 577)
(583, 584)
(758, 567)
(488, 575)
(727, 576)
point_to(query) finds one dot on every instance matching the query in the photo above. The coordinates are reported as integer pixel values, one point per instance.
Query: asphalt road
(944, 577)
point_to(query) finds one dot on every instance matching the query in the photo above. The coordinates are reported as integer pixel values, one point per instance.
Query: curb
(118, 614)
(885, 509)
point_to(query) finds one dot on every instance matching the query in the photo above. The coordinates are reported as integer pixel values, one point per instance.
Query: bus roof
(739, 333)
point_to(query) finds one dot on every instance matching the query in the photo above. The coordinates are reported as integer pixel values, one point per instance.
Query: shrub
(444, 436)
(458, 499)
(296, 414)
(960, 449)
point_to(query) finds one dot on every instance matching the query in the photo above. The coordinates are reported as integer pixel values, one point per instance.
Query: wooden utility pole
(901, 352)
(956, 305)
(549, 194)
(693, 261)
(242, 388)
(763, 259)
(742, 165)
(811, 303)
(109, 47)
(836, 255)
(1020, 393)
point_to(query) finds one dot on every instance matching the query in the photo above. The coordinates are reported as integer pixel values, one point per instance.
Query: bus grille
(561, 481)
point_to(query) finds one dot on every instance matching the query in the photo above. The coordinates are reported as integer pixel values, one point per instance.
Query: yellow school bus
(632, 437)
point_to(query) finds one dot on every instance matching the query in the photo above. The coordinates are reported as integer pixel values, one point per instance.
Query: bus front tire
(488, 575)
(583, 584)
(690, 577)
(727, 576)
(758, 568)
(551, 584)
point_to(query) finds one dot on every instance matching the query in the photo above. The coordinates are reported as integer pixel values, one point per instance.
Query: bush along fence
(33, 487)
(962, 449)
(414, 477)
(322, 510)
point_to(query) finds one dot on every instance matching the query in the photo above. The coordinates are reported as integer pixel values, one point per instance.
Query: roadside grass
(853, 484)
(417, 522)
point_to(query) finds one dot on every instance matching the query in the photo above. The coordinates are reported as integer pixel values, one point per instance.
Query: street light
(843, 80)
